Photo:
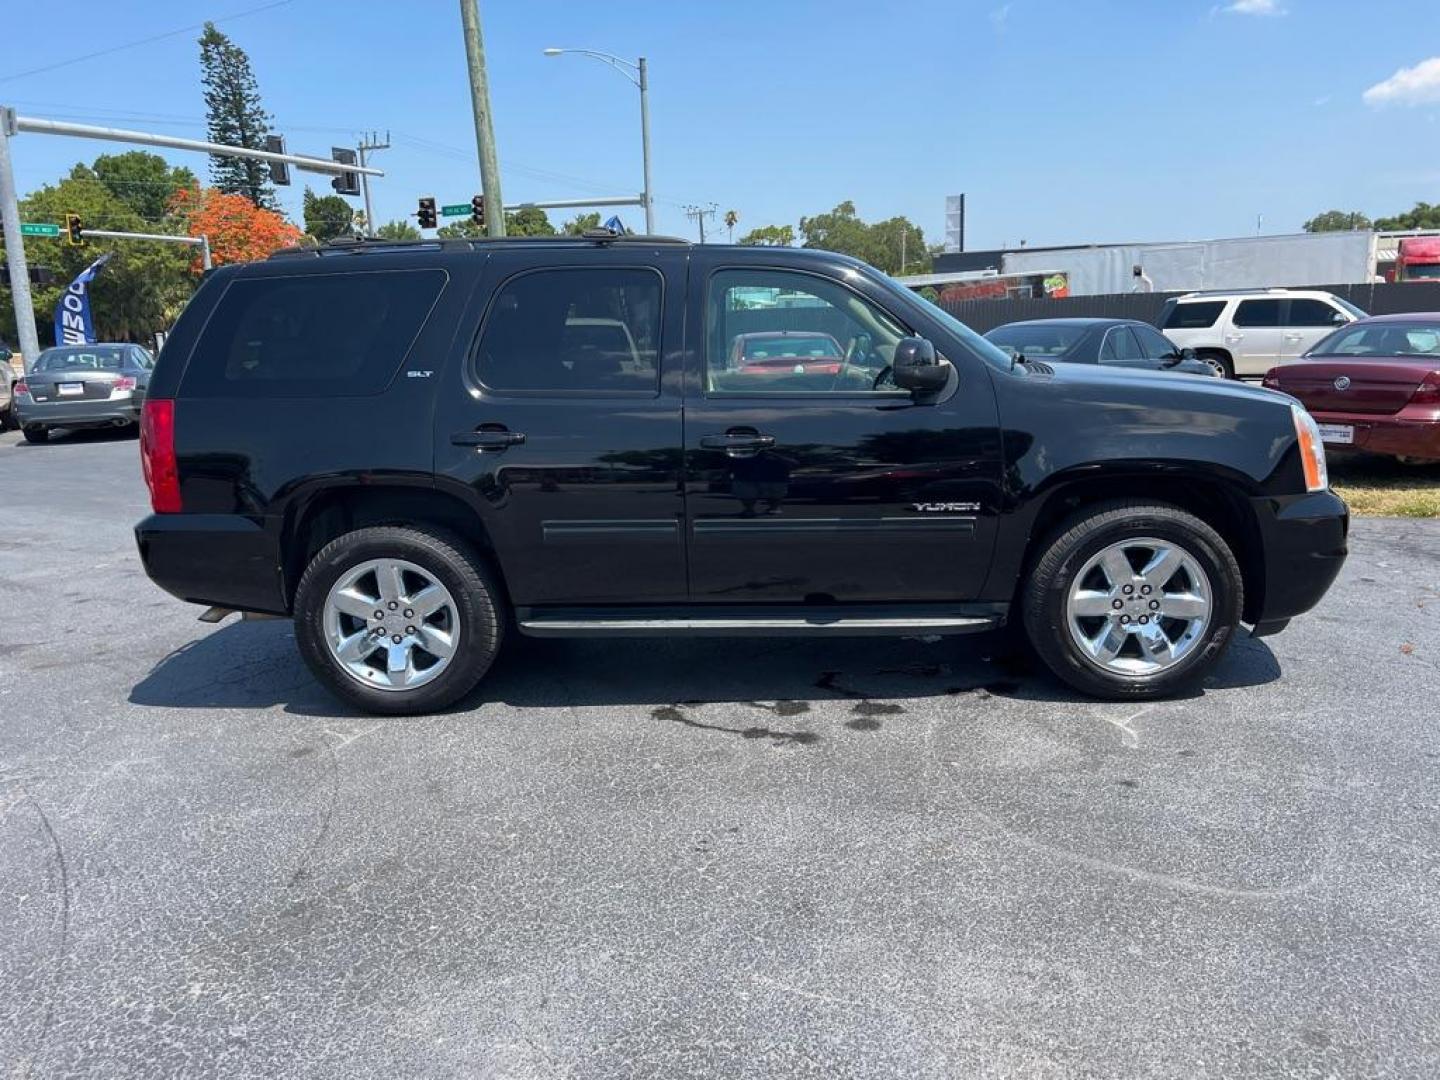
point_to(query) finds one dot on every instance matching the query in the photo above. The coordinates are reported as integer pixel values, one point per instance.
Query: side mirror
(916, 367)
(1339, 319)
(1187, 353)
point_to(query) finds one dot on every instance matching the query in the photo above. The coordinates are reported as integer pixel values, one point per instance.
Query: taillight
(1428, 392)
(1312, 449)
(157, 455)
(124, 382)
(21, 388)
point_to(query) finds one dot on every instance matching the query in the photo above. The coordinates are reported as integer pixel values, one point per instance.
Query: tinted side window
(1307, 312)
(592, 331)
(775, 331)
(1119, 345)
(1258, 313)
(311, 335)
(1194, 316)
(1153, 343)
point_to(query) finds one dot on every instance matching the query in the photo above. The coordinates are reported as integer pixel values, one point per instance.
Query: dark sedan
(1122, 343)
(1373, 386)
(77, 386)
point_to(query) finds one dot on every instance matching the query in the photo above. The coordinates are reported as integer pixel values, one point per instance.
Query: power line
(145, 41)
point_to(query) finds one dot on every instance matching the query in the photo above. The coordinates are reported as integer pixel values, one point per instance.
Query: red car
(788, 352)
(1374, 386)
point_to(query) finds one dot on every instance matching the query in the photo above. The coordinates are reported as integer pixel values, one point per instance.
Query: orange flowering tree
(239, 231)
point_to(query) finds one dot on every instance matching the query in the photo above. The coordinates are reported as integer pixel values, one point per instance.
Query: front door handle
(488, 437)
(737, 440)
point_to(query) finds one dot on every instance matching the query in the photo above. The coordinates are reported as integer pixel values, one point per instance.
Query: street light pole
(645, 144)
(638, 72)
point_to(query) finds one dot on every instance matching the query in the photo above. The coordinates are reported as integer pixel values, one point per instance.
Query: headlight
(1312, 449)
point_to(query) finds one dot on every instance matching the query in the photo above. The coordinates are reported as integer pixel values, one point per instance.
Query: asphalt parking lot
(726, 859)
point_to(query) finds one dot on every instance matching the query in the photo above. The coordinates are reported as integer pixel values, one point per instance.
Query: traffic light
(426, 214)
(347, 183)
(477, 210)
(279, 170)
(73, 229)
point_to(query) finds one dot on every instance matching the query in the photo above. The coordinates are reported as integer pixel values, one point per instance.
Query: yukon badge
(945, 507)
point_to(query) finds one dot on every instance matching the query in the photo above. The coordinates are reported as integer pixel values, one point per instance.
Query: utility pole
(484, 132)
(14, 246)
(368, 143)
(698, 214)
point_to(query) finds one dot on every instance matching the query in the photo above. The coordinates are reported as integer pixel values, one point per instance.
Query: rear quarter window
(1192, 316)
(311, 335)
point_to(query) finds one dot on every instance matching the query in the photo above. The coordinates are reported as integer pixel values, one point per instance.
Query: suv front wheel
(398, 620)
(1133, 600)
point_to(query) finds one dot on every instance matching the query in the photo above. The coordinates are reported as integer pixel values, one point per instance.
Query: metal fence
(983, 315)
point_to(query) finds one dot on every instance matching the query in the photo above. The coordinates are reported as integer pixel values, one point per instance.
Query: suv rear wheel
(36, 433)
(398, 620)
(1133, 600)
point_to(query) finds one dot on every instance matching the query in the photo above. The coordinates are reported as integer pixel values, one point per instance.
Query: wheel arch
(321, 515)
(1214, 496)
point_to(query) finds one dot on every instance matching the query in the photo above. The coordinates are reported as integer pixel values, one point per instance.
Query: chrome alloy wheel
(391, 625)
(1139, 606)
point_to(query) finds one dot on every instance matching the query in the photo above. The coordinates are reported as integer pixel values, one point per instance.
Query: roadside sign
(458, 210)
(39, 230)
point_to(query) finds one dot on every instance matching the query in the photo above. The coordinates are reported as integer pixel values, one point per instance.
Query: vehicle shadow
(81, 437)
(255, 665)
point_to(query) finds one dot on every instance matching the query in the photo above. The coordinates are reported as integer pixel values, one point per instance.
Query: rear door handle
(737, 440)
(488, 438)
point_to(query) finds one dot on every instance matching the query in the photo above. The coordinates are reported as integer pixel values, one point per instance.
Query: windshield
(985, 349)
(1037, 339)
(98, 357)
(1407, 338)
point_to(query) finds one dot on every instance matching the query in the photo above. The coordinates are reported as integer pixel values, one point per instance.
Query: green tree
(1337, 221)
(326, 216)
(1423, 216)
(581, 223)
(770, 236)
(398, 230)
(531, 221)
(143, 181)
(234, 117)
(463, 229)
(881, 244)
(141, 289)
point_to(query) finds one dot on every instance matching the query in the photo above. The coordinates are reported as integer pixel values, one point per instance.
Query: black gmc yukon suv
(414, 449)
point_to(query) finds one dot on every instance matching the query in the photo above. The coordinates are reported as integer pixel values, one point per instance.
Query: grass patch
(1380, 487)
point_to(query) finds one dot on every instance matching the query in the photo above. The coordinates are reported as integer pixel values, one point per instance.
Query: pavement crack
(62, 948)
(302, 869)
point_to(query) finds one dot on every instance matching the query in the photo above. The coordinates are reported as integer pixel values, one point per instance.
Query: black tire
(36, 434)
(455, 564)
(1227, 365)
(1064, 554)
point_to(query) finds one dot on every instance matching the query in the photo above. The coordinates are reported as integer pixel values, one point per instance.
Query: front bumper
(215, 559)
(100, 412)
(1303, 546)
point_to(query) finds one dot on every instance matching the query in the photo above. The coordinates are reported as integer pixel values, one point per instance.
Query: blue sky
(1064, 120)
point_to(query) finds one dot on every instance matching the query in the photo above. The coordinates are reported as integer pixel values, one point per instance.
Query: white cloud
(1000, 16)
(1418, 85)
(1255, 7)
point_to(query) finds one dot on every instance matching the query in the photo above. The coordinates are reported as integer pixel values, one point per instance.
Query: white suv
(1249, 331)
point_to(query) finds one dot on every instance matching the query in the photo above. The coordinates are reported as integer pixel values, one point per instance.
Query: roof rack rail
(351, 245)
(1254, 291)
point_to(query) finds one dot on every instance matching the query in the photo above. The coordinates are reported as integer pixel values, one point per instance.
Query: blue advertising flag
(616, 224)
(72, 314)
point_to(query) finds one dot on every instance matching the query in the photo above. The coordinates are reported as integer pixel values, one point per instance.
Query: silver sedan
(75, 386)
